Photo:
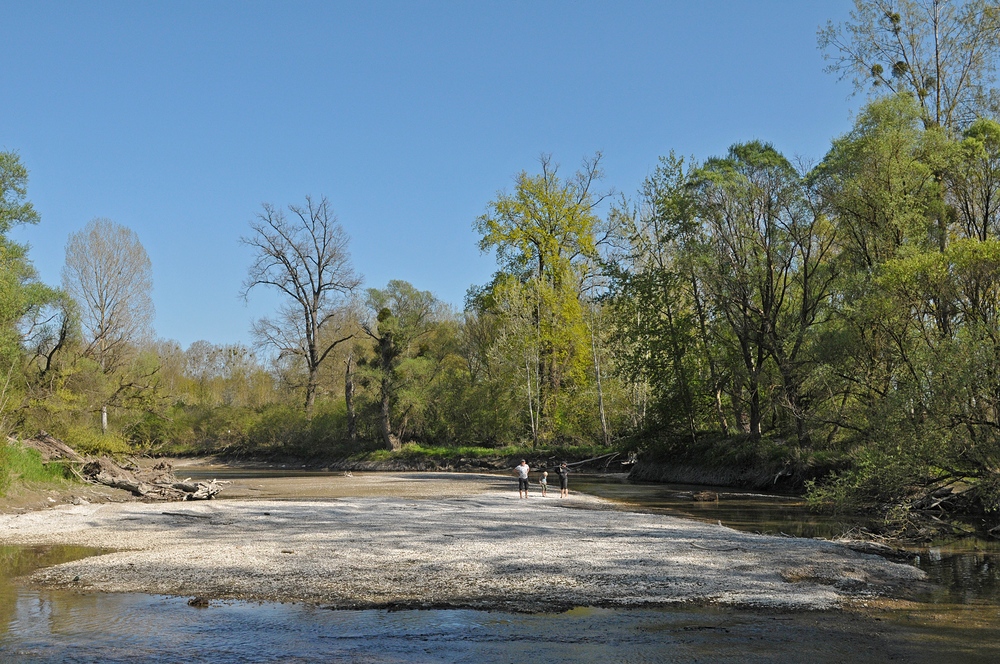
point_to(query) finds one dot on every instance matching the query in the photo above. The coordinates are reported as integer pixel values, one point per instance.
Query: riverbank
(420, 540)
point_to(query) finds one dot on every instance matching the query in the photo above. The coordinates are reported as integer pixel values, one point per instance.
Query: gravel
(434, 542)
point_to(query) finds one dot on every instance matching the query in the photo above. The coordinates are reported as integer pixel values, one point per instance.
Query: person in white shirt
(522, 479)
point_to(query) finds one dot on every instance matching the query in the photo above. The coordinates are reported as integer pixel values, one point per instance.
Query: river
(958, 621)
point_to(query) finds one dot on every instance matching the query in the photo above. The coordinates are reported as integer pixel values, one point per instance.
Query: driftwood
(156, 483)
(596, 458)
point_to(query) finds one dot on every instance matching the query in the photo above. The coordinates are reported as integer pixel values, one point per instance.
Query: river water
(957, 622)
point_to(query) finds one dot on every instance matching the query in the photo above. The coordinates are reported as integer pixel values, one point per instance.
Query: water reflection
(60, 627)
(744, 510)
(17, 561)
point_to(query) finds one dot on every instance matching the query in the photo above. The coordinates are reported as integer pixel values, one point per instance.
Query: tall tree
(109, 275)
(20, 291)
(545, 236)
(403, 315)
(764, 262)
(23, 299)
(656, 330)
(943, 51)
(305, 258)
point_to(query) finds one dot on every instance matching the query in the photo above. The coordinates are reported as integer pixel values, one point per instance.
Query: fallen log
(198, 490)
(156, 483)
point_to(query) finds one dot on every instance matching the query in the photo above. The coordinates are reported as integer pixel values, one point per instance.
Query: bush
(85, 440)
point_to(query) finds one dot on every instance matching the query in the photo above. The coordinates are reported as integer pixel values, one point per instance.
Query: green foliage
(22, 464)
(89, 440)
(14, 207)
(415, 452)
(404, 365)
(542, 349)
(20, 292)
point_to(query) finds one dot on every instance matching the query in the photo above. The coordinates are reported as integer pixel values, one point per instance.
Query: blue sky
(178, 119)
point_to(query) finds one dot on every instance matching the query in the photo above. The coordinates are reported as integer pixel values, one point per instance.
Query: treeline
(841, 315)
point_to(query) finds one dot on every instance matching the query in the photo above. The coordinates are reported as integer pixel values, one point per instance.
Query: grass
(19, 464)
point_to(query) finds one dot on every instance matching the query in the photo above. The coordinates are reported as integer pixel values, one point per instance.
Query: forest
(835, 322)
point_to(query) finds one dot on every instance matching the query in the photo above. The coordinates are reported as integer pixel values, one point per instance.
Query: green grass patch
(19, 464)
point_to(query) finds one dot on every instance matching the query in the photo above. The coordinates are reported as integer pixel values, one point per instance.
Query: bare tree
(304, 257)
(943, 51)
(110, 276)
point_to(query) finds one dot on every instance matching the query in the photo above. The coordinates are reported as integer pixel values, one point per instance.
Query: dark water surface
(960, 622)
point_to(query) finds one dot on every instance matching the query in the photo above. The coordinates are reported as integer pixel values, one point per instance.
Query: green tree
(656, 337)
(545, 235)
(403, 317)
(880, 183)
(25, 302)
(764, 265)
(974, 181)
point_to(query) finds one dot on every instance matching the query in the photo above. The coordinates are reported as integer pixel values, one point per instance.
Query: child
(544, 483)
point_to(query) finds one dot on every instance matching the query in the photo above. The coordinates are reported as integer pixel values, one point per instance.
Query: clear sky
(178, 119)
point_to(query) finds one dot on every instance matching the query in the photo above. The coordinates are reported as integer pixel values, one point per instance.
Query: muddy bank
(432, 541)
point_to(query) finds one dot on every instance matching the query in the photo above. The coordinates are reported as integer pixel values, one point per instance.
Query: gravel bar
(457, 544)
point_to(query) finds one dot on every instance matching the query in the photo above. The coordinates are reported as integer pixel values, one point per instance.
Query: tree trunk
(531, 408)
(104, 418)
(597, 372)
(756, 415)
(352, 423)
(311, 386)
(391, 442)
(679, 370)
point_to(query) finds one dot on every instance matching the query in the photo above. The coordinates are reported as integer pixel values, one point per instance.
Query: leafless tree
(942, 51)
(304, 256)
(110, 276)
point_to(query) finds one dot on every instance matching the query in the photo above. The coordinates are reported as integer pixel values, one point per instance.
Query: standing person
(563, 471)
(544, 483)
(522, 479)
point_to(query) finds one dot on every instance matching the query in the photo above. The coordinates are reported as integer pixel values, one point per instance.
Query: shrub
(86, 440)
